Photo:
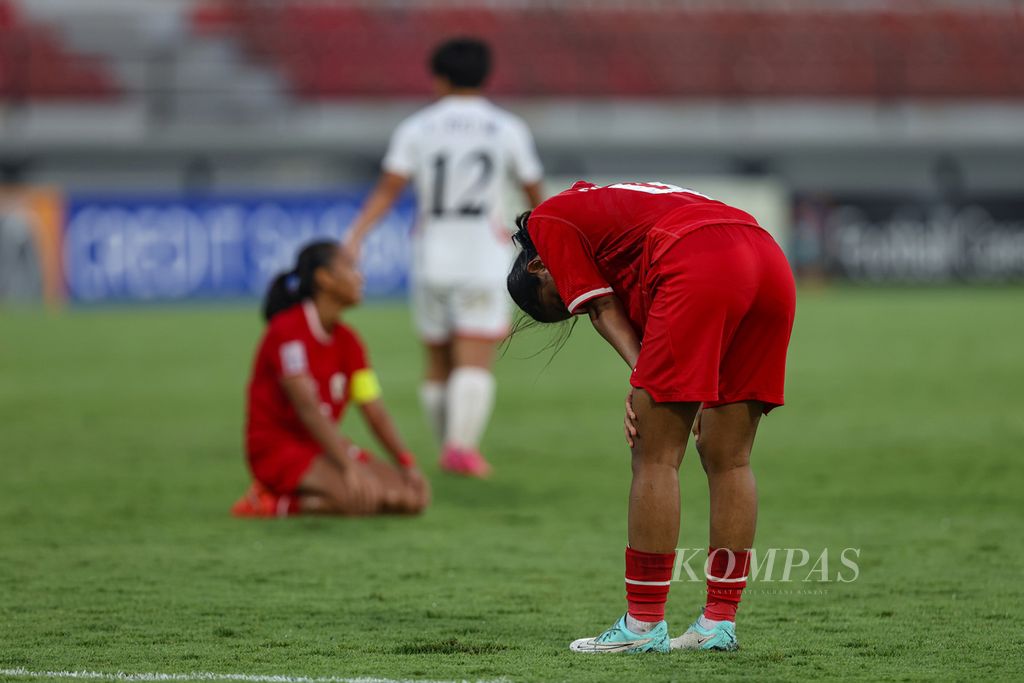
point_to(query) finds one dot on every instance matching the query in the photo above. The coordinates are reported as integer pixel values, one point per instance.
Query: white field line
(209, 676)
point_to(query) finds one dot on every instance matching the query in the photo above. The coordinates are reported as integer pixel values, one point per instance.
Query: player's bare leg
(662, 433)
(725, 438)
(400, 495)
(470, 401)
(434, 390)
(391, 491)
(724, 443)
(325, 490)
(474, 352)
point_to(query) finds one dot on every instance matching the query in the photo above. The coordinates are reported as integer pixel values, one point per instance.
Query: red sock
(727, 577)
(648, 576)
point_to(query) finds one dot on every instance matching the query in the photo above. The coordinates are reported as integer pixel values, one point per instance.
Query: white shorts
(442, 312)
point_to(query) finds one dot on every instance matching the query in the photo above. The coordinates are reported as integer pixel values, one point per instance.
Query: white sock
(433, 399)
(470, 400)
(706, 623)
(637, 626)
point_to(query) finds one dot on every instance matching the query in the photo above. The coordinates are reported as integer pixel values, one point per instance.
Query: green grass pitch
(120, 446)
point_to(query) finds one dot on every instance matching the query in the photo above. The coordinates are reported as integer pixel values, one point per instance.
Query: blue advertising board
(167, 247)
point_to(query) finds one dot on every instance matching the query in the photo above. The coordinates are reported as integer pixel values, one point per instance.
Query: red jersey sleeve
(353, 352)
(286, 352)
(569, 258)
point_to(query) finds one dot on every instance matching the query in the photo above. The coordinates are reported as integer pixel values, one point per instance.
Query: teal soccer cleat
(721, 636)
(620, 639)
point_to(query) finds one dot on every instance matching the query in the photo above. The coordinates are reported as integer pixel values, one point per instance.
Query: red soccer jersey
(592, 238)
(296, 343)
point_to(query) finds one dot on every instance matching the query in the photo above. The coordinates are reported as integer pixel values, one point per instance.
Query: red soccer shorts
(720, 305)
(281, 466)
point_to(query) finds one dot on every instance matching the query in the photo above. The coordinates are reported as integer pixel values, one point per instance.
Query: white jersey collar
(465, 99)
(314, 324)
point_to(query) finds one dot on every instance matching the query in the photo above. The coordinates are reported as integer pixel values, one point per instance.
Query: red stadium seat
(35, 65)
(334, 49)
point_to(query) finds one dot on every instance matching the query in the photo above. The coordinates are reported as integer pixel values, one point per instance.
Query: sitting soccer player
(711, 296)
(308, 366)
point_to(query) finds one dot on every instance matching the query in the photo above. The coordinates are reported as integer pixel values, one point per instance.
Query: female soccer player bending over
(699, 302)
(308, 366)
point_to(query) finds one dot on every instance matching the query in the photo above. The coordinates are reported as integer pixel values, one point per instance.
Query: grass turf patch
(120, 442)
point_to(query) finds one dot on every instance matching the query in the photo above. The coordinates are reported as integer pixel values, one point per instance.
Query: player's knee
(342, 504)
(716, 460)
(643, 458)
(636, 452)
(415, 505)
(339, 504)
(714, 457)
(412, 502)
(636, 459)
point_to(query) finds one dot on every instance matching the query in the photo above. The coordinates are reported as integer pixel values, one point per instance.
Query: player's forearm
(335, 445)
(609, 318)
(383, 428)
(380, 201)
(376, 206)
(534, 194)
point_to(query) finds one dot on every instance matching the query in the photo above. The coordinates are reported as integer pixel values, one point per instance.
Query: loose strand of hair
(555, 344)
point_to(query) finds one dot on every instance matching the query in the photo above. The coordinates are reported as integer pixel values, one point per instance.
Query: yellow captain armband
(365, 386)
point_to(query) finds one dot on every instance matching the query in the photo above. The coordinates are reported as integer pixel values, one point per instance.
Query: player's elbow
(306, 408)
(601, 307)
(373, 411)
(392, 184)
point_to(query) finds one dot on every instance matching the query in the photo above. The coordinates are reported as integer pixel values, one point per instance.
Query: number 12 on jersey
(478, 168)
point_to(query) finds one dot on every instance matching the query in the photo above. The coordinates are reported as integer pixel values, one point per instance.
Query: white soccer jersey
(460, 151)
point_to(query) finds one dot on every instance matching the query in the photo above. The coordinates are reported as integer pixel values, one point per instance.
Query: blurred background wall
(165, 149)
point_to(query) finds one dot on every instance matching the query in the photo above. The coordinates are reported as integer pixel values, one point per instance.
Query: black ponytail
(523, 286)
(279, 295)
(291, 287)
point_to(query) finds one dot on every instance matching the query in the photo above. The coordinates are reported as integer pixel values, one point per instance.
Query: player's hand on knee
(362, 490)
(630, 421)
(419, 486)
(375, 489)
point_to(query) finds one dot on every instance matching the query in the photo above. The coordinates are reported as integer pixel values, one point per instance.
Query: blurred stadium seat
(327, 49)
(323, 49)
(36, 64)
(716, 49)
